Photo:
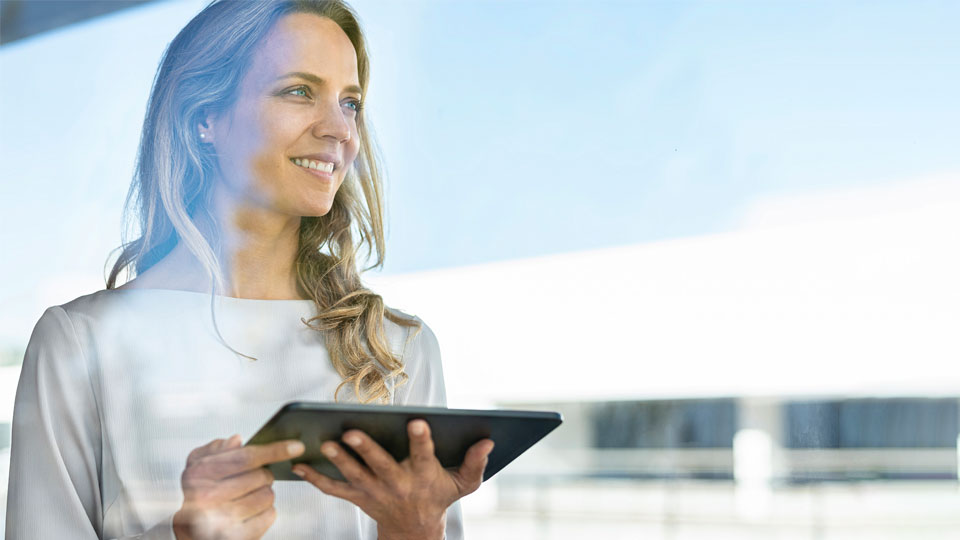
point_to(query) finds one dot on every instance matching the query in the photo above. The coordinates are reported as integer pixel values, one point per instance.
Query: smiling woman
(255, 173)
(274, 132)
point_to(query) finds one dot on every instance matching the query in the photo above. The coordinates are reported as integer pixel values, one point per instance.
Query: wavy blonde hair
(171, 190)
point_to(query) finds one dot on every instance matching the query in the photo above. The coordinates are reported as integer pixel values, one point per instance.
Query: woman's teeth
(314, 164)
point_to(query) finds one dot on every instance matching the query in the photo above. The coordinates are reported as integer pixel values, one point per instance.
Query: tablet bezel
(453, 431)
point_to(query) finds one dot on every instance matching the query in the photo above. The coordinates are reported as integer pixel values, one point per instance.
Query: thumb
(470, 474)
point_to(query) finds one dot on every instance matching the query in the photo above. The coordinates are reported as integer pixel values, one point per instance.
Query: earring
(203, 135)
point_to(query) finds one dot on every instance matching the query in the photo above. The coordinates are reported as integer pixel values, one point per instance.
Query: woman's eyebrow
(317, 80)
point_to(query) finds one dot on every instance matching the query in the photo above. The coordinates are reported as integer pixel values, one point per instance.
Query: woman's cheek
(264, 176)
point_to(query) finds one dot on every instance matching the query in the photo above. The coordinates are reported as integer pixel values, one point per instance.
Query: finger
(329, 485)
(421, 444)
(225, 444)
(355, 473)
(247, 458)
(251, 504)
(211, 447)
(377, 459)
(238, 485)
(470, 474)
(256, 526)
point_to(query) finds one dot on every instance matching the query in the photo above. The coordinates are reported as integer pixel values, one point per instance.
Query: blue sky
(516, 129)
(551, 135)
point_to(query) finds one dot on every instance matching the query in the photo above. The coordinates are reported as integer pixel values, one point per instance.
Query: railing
(717, 463)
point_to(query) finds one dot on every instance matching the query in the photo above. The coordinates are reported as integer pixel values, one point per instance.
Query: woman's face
(297, 109)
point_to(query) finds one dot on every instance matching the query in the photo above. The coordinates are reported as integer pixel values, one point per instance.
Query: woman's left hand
(407, 499)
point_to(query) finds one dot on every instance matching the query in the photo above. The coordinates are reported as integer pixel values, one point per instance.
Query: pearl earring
(203, 135)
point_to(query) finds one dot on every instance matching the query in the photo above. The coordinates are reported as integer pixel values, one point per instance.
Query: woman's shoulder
(107, 302)
(83, 311)
(92, 304)
(417, 339)
(125, 308)
(406, 325)
(63, 332)
(392, 313)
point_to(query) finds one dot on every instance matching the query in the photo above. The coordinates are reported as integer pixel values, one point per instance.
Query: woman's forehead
(304, 42)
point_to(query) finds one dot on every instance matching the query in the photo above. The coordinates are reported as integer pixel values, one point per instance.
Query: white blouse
(118, 386)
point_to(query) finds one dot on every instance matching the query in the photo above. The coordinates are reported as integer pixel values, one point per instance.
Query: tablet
(453, 432)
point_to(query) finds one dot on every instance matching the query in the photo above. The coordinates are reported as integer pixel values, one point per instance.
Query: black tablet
(453, 431)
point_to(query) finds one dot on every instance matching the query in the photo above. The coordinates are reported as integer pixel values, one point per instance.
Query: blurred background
(720, 237)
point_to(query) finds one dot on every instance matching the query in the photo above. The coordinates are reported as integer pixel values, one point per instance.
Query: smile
(313, 164)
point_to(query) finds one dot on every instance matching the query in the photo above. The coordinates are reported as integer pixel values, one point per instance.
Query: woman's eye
(303, 91)
(299, 89)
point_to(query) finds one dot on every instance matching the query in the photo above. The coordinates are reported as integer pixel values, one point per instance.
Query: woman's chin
(316, 211)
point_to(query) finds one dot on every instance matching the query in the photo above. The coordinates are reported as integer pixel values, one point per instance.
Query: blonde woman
(256, 186)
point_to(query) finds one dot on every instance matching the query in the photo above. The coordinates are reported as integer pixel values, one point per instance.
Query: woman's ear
(205, 129)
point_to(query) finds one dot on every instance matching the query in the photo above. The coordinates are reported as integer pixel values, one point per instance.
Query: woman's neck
(257, 255)
(247, 274)
(258, 248)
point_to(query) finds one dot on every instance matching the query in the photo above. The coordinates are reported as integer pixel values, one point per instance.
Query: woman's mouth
(320, 169)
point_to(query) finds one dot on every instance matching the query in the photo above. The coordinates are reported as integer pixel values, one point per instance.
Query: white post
(758, 457)
(753, 473)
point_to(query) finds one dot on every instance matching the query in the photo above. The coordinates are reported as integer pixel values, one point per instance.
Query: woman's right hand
(226, 490)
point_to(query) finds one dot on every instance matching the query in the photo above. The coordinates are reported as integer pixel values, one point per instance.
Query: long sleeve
(54, 489)
(55, 455)
(425, 386)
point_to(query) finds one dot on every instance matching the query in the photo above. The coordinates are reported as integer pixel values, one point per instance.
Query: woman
(255, 167)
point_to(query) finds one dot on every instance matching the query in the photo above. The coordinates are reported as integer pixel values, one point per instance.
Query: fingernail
(234, 440)
(352, 439)
(295, 448)
(329, 450)
(298, 472)
(417, 427)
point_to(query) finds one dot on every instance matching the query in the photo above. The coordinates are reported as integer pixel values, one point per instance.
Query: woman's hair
(171, 190)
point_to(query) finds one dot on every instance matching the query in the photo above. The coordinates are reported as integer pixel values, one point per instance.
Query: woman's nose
(331, 122)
